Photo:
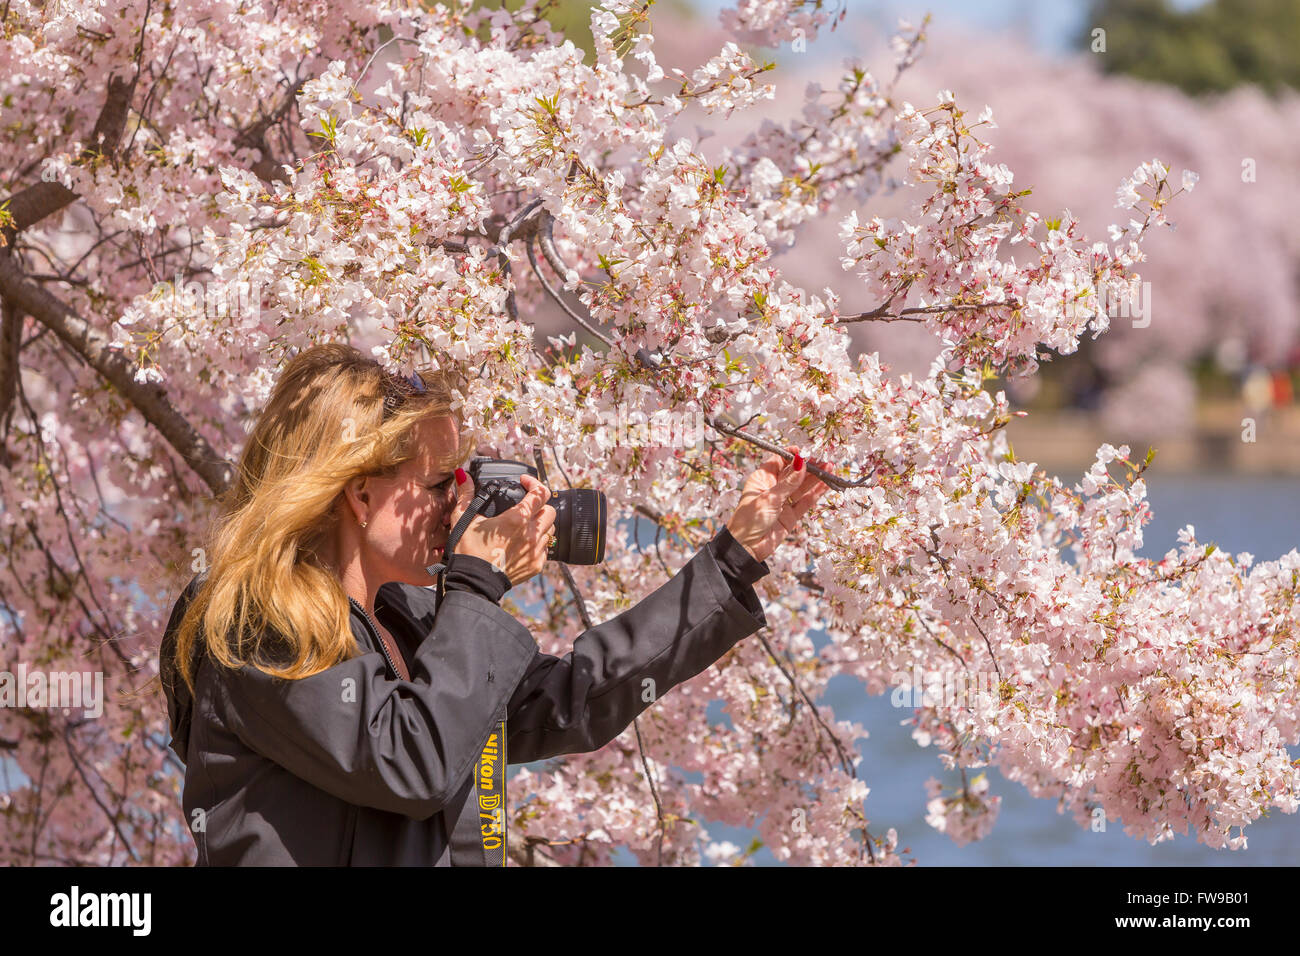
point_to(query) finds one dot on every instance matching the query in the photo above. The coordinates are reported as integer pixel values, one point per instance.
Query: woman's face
(408, 516)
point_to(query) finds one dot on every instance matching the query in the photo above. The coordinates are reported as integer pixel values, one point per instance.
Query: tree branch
(845, 763)
(654, 792)
(522, 850)
(81, 772)
(11, 328)
(833, 481)
(546, 240)
(29, 206)
(503, 243)
(253, 136)
(532, 260)
(882, 314)
(149, 399)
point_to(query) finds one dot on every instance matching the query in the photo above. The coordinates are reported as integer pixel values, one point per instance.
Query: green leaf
(328, 127)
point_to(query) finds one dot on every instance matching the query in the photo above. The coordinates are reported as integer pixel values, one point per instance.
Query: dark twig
(112, 818)
(833, 481)
(882, 314)
(636, 726)
(546, 239)
(532, 260)
(654, 792)
(845, 763)
(499, 250)
(11, 328)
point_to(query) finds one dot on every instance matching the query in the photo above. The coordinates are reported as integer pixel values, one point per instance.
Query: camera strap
(440, 569)
(477, 826)
(480, 835)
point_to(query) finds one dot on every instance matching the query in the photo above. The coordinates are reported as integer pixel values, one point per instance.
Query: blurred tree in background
(1207, 49)
(573, 17)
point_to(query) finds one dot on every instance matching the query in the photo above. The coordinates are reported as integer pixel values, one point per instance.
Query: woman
(346, 717)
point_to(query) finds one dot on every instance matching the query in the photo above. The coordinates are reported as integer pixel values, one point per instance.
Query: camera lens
(579, 526)
(579, 512)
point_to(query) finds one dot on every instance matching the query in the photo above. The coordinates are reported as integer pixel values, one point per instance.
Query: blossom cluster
(422, 199)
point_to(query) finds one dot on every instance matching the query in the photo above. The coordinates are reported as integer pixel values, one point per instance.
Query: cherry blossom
(421, 182)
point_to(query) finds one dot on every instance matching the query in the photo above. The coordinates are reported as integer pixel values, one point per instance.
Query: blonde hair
(268, 599)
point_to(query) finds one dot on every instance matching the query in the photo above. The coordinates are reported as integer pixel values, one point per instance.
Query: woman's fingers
(807, 494)
(539, 515)
(464, 495)
(811, 484)
(530, 483)
(538, 518)
(773, 500)
(534, 500)
(540, 529)
(802, 502)
(773, 464)
(800, 499)
(789, 484)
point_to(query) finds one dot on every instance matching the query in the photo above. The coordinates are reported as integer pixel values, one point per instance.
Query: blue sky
(1050, 22)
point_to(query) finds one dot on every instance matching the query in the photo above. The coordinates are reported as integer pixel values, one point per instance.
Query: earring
(363, 524)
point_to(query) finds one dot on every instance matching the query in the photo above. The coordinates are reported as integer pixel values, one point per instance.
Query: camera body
(580, 513)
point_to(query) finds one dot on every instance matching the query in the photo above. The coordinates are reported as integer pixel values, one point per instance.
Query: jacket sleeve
(581, 701)
(401, 746)
(465, 572)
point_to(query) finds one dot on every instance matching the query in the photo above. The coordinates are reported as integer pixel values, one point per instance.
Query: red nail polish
(798, 462)
(461, 477)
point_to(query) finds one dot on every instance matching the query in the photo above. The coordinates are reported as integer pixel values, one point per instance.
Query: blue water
(1255, 515)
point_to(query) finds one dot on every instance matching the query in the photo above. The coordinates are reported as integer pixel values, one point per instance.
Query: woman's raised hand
(775, 498)
(516, 540)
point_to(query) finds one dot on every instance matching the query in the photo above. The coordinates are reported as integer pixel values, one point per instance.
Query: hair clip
(395, 396)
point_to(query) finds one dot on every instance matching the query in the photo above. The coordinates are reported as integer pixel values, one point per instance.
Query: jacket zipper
(383, 645)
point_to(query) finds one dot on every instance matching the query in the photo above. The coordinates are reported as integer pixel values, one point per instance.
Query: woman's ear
(357, 496)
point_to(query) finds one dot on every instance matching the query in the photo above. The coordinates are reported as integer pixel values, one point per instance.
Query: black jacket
(354, 766)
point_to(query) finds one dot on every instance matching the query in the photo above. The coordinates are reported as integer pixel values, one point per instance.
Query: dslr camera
(579, 512)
